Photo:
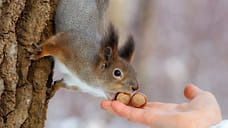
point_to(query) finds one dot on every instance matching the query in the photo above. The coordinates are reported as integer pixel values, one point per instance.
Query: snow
(71, 122)
(222, 124)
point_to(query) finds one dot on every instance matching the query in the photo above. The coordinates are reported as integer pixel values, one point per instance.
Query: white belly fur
(72, 80)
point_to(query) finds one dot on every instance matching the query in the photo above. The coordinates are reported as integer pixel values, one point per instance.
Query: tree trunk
(25, 86)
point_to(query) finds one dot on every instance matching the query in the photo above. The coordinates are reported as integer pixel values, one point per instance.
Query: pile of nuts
(137, 100)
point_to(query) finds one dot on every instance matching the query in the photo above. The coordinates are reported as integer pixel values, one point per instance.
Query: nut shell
(138, 100)
(123, 98)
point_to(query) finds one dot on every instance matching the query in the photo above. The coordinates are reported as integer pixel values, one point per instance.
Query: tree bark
(25, 85)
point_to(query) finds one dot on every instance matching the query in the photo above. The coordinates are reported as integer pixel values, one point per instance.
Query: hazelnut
(138, 100)
(123, 98)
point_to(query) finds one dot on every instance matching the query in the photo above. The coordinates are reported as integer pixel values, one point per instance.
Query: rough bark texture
(25, 86)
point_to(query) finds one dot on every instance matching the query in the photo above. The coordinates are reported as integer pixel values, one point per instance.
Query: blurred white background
(177, 42)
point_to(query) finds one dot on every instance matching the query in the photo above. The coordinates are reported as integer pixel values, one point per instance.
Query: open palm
(201, 112)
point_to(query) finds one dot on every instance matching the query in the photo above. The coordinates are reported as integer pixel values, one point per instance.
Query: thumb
(191, 91)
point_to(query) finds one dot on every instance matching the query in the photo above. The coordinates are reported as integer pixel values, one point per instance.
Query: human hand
(201, 112)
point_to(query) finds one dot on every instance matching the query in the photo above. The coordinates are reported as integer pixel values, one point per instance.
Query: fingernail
(104, 105)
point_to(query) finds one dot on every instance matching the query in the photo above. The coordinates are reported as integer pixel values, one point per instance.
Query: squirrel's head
(114, 70)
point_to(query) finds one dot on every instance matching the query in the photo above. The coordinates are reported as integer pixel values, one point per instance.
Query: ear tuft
(107, 53)
(111, 38)
(126, 52)
(109, 44)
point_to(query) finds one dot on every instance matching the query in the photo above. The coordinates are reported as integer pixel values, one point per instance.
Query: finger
(132, 114)
(191, 91)
(107, 105)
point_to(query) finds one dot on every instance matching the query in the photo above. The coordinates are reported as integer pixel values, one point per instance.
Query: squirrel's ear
(109, 44)
(127, 51)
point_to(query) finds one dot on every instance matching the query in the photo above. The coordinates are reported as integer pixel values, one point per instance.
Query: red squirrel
(93, 65)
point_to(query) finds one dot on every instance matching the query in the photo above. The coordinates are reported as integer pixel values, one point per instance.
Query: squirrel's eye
(117, 73)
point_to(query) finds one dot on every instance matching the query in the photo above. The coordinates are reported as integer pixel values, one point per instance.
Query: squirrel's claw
(33, 57)
(29, 50)
(35, 51)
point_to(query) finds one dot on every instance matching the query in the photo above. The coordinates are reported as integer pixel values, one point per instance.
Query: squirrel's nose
(134, 87)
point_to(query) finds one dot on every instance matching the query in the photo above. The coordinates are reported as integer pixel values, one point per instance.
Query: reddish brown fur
(54, 47)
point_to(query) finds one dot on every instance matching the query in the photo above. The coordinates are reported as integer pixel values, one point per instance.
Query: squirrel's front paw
(35, 52)
(33, 57)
